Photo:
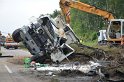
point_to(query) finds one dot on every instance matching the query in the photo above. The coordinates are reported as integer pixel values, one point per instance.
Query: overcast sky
(16, 13)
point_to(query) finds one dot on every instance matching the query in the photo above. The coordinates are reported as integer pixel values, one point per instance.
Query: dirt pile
(115, 68)
(114, 57)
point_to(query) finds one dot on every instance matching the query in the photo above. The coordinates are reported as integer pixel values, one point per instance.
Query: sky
(16, 13)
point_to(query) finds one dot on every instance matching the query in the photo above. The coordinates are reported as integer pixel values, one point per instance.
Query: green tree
(55, 13)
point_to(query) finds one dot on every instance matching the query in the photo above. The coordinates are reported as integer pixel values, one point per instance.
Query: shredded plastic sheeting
(83, 68)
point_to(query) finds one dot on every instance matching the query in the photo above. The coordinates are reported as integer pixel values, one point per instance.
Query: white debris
(49, 73)
(83, 68)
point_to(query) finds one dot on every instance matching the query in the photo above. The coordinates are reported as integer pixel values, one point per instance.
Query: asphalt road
(14, 52)
(10, 72)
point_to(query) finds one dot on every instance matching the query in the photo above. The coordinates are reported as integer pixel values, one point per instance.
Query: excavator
(115, 30)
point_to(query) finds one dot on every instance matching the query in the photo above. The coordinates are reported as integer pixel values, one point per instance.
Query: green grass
(90, 43)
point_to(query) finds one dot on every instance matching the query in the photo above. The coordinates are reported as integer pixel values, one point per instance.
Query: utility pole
(0, 33)
(0, 41)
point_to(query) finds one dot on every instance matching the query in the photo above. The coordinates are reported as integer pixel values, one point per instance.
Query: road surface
(10, 72)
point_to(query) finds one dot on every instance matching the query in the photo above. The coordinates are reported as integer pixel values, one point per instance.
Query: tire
(16, 35)
(7, 47)
(16, 47)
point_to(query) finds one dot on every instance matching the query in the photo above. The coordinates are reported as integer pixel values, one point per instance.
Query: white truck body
(102, 37)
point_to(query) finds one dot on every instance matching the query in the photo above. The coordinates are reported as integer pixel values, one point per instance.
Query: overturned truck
(47, 39)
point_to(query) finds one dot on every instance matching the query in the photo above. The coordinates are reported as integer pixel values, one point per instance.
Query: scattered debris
(75, 68)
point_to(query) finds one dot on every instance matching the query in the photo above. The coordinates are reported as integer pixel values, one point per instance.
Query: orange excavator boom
(65, 6)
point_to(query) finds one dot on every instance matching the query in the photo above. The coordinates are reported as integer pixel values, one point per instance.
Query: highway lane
(14, 52)
(10, 72)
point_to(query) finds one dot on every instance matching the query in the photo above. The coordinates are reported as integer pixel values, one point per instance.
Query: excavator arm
(65, 6)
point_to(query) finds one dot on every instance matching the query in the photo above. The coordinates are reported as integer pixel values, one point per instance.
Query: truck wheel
(16, 35)
(16, 47)
(7, 47)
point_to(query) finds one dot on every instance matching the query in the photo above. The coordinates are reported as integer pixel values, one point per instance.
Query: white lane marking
(8, 69)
